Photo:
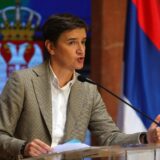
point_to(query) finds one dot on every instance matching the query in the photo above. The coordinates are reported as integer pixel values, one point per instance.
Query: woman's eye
(83, 42)
(72, 42)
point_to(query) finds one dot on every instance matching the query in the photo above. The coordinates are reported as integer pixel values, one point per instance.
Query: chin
(79, 68)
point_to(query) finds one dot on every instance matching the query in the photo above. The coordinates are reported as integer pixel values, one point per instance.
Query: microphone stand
(83, 79)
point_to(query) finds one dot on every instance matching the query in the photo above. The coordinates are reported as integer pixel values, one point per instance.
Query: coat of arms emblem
(18, 47)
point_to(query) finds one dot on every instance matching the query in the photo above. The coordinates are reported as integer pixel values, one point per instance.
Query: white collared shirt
(59, 106)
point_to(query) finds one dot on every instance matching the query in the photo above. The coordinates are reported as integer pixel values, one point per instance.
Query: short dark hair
(57, 24)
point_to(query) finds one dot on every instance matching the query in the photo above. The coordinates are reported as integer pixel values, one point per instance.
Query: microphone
(84, 79)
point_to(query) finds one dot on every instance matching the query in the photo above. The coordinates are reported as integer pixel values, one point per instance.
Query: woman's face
(69, 51)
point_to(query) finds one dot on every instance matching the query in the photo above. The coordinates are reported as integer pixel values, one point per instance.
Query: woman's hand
(153, 134)
(36, 148)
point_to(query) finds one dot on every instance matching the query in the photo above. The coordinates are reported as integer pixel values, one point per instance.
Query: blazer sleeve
(102, 125)
(11, 105)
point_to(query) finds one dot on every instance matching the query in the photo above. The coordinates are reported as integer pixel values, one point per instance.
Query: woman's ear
(50, 47)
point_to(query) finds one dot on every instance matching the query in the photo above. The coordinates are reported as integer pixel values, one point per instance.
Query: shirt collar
(55, 81)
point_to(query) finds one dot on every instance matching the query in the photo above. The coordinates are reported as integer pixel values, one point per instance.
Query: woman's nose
(80, 49)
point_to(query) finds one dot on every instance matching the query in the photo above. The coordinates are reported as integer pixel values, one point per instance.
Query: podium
(128, 152)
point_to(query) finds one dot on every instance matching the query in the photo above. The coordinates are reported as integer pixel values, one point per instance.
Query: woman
(47, 105)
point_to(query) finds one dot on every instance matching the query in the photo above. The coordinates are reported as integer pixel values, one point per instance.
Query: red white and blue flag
(142, 63)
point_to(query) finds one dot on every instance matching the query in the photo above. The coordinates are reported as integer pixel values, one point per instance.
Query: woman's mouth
(80, 59)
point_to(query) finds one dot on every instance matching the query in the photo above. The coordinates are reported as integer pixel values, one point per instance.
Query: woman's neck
(63, 75)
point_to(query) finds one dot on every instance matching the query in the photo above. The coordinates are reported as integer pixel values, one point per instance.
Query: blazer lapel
(43, 92)
(74, 108)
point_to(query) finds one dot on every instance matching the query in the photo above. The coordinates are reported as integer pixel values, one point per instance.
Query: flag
(142, 64)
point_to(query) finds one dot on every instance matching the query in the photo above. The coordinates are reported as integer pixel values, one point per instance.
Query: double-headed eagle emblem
(18, 49)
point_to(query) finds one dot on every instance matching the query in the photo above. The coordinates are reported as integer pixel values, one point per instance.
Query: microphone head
(81, 78)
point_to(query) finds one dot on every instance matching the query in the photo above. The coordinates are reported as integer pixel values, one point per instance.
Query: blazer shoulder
(86, 88)
(31, 72)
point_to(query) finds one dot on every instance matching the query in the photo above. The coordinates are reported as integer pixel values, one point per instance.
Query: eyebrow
(69, 39)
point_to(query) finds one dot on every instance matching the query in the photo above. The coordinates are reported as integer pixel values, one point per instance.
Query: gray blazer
(25, 113)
